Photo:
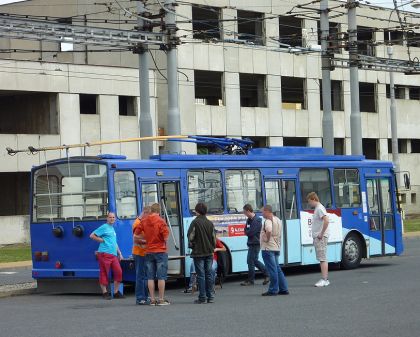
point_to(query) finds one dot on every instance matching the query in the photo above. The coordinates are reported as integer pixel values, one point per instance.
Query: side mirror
(407, 181)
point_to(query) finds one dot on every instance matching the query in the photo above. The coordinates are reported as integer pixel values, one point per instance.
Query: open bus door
(381, 216)
(167, 194)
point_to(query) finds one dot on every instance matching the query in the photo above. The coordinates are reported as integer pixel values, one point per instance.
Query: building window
(413, 198)
(318, 181)
(395, 37)
(125, 194)
(346, 188)
(415, 146)
(28, 112)
(367, 97)
(253, 90)
(293, 93)
(339, 147)
(206, 22)
(402, 145)
(290, 30)
(88, 104)
(295, 141)
(243, 187)
(336, 95)
(334, 41)
(414, 93)
(370, 148)
(258, 141)
(206, 186)
(208, 87)
(16, 200)
(413, 39)
(251, 27)
(399, 91)
(366, 41)
(127, 105)
(403, 198)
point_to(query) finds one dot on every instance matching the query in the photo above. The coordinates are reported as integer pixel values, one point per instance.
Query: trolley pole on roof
(174, 116)
(145, 117)
(355, 116)
(327, 117)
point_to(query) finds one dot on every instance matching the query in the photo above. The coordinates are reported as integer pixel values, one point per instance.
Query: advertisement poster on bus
(335, 227)
(228, 225)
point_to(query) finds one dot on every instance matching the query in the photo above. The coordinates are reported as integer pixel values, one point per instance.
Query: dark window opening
(290, 30)
(295, 141)
(208, 87)
(339, 148)
(206, 24)
(334, 41)
(253, 90)
(395, 37)
(293, 93)
(127, 105)
(259, 141)
(413, 39)
(370, 148)
(336, 95)
(16, 200)
(415, 146)
(28, 112)
(402, 145)
(251, 27)
(366, 41)
(413, 198)
(399, 91)
(367, 97)
(88, 104)
(414, 93)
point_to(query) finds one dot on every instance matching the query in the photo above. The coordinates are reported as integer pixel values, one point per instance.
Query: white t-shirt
(318, 221)
(273, 227)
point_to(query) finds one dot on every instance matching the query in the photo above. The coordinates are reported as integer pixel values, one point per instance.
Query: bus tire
(352, 251)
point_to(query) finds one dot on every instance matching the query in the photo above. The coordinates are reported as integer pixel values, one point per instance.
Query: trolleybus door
(281, 195)
(166, 193)
(381, 216)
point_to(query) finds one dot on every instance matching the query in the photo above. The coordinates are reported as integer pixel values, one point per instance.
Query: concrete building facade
(233, 81)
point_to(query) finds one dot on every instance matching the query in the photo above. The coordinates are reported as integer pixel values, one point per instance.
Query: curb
(18, 264)
(17, 289)
(411, 235)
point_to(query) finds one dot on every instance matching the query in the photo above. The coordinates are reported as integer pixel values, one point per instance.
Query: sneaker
(162, 302)
(266, 281)
(283, 292)
(106, 296)
(322, 283)
(268, 294)
(247, 283)
(118, 295)
(210, 300)
(153, 302)
(143, 302)
(199, 302)
(188, 291)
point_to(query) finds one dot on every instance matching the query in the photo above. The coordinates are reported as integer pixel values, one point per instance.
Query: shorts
(157, 266)
(109, 262)
(321, 249)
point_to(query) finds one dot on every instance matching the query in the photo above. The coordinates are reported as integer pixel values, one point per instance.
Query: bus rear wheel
(351, 252)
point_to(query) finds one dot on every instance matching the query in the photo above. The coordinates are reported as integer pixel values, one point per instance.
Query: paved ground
(15, 275)
(382, 298)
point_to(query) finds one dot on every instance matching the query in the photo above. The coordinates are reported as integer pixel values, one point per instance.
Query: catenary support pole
(145, 117)
(355, 116)
(174, 116)
(327, 117)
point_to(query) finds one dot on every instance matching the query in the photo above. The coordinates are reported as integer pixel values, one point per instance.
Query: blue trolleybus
(71, 197)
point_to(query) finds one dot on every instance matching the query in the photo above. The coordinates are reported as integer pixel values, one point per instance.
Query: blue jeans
(252, 260)
(141, 279)
(277, 280)
(193, 276)
(205, 280)
(157, 266)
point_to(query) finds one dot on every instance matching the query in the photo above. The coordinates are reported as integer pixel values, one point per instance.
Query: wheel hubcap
(351, 250)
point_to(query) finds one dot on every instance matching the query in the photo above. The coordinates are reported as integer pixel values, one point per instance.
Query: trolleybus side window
(289, 194)
(125, 194)
(75, 191)
(346, 188)
(315, 180)
(206, 186)
(149, 194)
(243, 187)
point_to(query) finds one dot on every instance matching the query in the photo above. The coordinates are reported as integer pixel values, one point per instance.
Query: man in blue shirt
(109, 256)
(252, 230)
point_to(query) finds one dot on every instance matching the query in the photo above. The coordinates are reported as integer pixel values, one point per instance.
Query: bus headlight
(58, 231)
(78, 231)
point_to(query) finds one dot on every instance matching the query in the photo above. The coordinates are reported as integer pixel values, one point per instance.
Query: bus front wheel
(351, 252)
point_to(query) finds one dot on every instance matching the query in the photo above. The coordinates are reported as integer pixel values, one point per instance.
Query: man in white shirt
(270, 239)
(320, 236)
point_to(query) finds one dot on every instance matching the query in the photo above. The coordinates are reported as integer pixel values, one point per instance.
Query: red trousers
(109, 262)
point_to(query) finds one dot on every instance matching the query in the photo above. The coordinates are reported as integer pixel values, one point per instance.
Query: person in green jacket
(202, 241)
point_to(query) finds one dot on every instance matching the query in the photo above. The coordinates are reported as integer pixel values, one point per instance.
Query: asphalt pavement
(381, 298)
(15, 276)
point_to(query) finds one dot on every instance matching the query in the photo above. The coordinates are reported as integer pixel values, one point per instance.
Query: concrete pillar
(315, 142)
(275, 141)
(110, 123)
(69, 114)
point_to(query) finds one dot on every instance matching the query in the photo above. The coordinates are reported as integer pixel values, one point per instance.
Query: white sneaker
(322, 283)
